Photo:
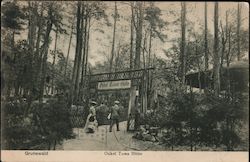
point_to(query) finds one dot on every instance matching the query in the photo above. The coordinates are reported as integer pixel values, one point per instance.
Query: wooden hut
(238, 72)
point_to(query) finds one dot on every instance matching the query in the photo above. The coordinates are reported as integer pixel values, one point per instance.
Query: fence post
(106, 137)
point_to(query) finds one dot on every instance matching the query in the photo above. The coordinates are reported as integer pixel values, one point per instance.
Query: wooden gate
(132, 80)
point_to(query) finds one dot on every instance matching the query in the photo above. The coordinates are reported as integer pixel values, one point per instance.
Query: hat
(93, 102)
(117, 102)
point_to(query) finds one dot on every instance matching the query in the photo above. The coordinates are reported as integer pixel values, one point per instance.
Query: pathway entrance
(129, 87)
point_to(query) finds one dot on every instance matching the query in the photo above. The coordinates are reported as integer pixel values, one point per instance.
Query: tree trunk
(70, 39)
(45, 56)
(54, 147)
(238, 30)
(37, 59)
(149, 48)
(131, 36)
(40, 53)
(224, 41)
(78, 22)
(13, 44)
(117, 59)
(138, 37)
(145, 77)
(53, 64)
(228, 62)
(77, 51)
(216, 64)
(149, 80)
(81, 51)
(49, 145)
(87, 47)
(143, 51)
(206, 41)
(31, 42)
(84, 50)
(206, 50)
(183, 42)
(113, 42)
(38, 40)
(31, 27)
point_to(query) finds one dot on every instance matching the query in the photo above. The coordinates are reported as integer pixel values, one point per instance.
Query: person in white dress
(91, 122)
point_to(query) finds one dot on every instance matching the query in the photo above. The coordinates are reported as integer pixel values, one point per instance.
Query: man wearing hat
(115, 115)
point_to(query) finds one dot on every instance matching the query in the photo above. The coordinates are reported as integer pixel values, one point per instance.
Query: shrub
(40, 128)
(191, 119)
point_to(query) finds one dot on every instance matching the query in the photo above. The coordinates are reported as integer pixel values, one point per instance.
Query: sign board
(111, 85)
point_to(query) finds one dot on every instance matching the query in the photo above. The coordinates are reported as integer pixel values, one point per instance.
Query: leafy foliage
(12, 16)
(200, 120)
(41, 127)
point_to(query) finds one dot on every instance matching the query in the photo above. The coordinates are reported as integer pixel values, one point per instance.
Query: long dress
(91, 125)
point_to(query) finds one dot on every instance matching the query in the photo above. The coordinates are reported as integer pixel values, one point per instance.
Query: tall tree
(144, 49)
(238, 30)
(32, 27)
(228, 59)
(32, 9)
(113, 42)
(131, 35)
(70, 39)
(224, 39)
(78, 42)
(45, 48)
(81, 56)
(84, 47)
(78, 51)
(183, 42)
(37, 62)
(87, 46)
(216, 59)
(53, 62)
(12, 21)
(52, 18)
(85, 12)
(138, 35)
(206, 47)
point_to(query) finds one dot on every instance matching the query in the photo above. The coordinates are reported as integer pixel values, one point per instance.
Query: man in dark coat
(115, 116)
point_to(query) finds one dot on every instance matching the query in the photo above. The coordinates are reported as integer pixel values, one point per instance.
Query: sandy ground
(102, 139)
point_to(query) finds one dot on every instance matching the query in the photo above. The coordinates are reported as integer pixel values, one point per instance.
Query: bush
(55, 122)
(192, 119)
(42, 127)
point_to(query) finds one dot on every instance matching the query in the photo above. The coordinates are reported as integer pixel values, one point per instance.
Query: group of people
(91, 124)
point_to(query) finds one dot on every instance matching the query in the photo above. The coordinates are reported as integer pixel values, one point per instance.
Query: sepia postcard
(124, 81)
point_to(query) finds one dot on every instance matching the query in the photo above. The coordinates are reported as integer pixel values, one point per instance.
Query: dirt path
(102, 139)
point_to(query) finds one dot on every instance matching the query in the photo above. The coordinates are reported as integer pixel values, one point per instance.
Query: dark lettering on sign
(109, 85)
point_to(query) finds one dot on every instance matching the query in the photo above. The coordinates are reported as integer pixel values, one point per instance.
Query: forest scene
(177, 71)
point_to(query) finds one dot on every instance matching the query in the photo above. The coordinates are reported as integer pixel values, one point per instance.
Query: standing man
(115, 115)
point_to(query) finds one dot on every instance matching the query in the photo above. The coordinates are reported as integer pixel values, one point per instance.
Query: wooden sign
(111, 85)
